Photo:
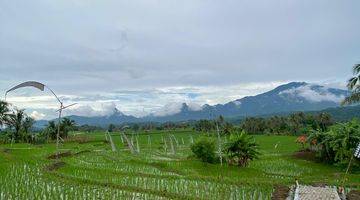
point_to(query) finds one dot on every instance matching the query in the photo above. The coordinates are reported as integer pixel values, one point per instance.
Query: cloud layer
(310, 94)
(143, 54)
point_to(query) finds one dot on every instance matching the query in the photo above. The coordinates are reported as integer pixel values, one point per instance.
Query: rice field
(158, 168)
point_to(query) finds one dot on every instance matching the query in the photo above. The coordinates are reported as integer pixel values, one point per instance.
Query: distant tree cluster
(207, 126)
(87, 128)
(294, 124)
(149, 126)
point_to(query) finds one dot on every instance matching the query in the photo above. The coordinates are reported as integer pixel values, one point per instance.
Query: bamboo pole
(137, 145)
(113, 148)
(219, 143)
(149, 141)
(129, 143)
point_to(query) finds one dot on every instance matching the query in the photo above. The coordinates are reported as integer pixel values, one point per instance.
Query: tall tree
(15, 121)
(4, 112)
(27, 124)
(66, 125)
(324, 121)
(354, 87)
(51, 130)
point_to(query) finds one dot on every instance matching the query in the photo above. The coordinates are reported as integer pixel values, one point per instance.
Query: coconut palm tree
(66, 125)
(354, 87)
(241, 149)
(51, 130)
(15, 121)
(4, 112)
(28, 123)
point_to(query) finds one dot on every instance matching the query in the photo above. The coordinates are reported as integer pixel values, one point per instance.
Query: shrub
(338, 144)
(204, 149)
(241, 149)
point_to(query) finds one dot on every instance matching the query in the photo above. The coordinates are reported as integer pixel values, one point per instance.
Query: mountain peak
(184, 107)
(117, 112)
(288, 86)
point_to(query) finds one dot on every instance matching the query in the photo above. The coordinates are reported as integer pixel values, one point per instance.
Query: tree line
(294, 124)
(17, 126)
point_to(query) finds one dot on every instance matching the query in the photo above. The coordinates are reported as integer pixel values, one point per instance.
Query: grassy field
(94, 171)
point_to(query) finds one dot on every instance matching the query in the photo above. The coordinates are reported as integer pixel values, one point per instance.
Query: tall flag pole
(41, 87)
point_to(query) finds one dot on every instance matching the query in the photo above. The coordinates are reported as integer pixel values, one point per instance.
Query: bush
(241, 149)
(338, 144)
(204, 149)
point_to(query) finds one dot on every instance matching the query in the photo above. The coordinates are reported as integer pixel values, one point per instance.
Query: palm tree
(241, 149)
(324, 120)
(354, 87)
(28, 123)
(51, 130)
(66, 126)
(15, 121)
(4, 112)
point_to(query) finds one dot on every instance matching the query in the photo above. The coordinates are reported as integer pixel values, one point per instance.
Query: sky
(148, 56)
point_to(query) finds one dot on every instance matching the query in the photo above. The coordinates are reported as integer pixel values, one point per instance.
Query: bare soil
(353, 195)
(55, 166)
(306, 155)
(281, 192)
(60, 155)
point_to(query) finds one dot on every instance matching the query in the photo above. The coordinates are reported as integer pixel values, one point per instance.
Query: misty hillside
(294, 96)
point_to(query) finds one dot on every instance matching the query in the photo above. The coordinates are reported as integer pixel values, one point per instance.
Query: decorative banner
(35, 84)
(357, 151)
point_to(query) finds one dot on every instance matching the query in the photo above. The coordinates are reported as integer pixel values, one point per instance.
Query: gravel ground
(303, 192)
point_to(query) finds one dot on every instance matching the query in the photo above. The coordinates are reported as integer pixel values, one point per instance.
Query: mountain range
(294, 96)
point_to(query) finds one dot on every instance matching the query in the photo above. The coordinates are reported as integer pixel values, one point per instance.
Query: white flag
(35, 84)
(357, 151)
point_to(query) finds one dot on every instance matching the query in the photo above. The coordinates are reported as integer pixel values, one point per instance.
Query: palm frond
(352, 99)
(356, 69)
(352, 83)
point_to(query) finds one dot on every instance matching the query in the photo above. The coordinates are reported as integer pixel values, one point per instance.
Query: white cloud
(175, 107)
(312, 95)
(237, 103)
(37, 115)
(103, 109)
(194, 106)
(168, 109)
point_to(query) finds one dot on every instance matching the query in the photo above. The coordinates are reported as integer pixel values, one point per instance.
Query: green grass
(99, 173)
